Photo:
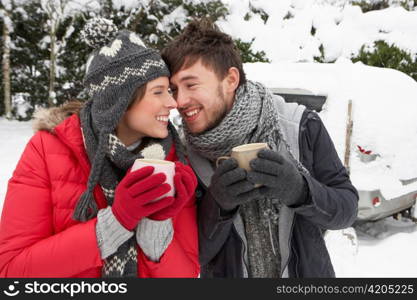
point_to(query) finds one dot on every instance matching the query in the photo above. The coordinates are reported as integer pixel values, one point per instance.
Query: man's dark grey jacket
(331, 203)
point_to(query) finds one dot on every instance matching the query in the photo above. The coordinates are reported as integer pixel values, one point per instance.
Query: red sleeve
(181, 257)
(28, 245)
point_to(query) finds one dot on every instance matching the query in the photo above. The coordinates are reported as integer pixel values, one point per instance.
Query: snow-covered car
(371, 115)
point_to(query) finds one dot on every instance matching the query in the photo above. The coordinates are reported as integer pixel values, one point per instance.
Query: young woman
(73, 208)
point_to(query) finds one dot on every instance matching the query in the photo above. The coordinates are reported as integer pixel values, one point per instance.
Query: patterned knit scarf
(116, 161)
(252, 119)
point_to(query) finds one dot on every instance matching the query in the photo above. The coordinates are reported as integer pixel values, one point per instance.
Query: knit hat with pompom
(119, 64)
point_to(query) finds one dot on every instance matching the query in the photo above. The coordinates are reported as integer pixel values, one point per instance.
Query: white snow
(382, 249)
(13, 136)
(7, 4)
(69, 31)
(342, 29)
(384, 116)
(177, 16)
(20, 104)
(22, 12)
(129, 4)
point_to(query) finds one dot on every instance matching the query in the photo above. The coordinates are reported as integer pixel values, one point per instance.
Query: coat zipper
(243, 250)
(291, 251)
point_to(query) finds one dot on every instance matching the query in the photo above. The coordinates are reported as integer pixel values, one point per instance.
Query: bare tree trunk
(349, 129)
(6, 67)
(52, 67)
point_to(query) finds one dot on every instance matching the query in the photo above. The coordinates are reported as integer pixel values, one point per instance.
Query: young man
(275, 230)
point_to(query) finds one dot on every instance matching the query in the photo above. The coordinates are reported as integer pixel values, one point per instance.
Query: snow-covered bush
(21, 107)
(369, 5)
(388, 56)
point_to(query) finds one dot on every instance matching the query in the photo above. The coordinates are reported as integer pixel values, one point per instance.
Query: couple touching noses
(74, 208)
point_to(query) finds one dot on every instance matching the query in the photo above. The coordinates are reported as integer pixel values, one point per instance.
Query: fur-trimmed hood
(48, 118)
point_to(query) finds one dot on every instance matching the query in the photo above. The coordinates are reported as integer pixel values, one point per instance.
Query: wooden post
(349, 128)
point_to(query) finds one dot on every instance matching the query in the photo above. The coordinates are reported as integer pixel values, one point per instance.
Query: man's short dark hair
(202, 39)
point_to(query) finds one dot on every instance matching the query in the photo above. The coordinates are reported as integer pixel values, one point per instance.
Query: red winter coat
(39, 238)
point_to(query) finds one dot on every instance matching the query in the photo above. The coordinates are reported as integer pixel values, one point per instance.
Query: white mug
(161, 166)
(244, 154)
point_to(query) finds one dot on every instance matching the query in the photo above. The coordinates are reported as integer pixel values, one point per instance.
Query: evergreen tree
(156, 21)
(72, 60)
(30, 73)
(159, 21)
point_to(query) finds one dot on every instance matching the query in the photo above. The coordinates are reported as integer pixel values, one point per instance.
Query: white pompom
(97, 32)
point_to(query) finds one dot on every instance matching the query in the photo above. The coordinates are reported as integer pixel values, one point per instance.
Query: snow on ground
(13, 138)
(384, 116)
(384, 249)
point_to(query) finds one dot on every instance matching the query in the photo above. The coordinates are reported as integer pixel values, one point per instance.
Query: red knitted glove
(185, 183)
(135, 193)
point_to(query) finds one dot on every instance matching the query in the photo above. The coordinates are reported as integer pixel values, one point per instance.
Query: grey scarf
(253, 118)
(110, 160)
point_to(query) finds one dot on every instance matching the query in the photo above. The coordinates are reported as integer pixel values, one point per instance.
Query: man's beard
(219, 113)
